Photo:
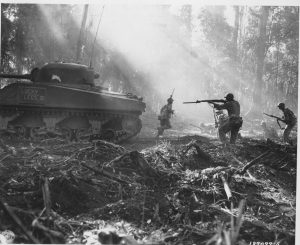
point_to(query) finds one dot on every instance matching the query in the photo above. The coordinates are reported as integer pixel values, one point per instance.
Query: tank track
(33, 122)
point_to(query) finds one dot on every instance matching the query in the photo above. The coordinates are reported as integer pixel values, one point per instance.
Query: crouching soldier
(164, 117)
(234, 122)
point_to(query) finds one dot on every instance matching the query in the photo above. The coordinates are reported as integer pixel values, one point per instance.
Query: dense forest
(255, 56)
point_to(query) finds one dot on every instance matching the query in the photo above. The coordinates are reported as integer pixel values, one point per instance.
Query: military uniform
(234, 122)
(290, 119)
(164, 117)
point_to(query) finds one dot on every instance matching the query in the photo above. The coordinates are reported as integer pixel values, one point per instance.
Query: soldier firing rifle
(234, 122)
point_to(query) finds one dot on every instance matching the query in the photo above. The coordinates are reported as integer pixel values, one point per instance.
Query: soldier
(289, 119)
(269, 132)
(164, 117)
(234, 122)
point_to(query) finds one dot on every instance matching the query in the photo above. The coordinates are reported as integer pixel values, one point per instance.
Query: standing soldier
(289, 119)
(234, 122)
(164, 117)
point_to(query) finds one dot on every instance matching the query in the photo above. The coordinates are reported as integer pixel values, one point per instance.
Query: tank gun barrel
(18, 76)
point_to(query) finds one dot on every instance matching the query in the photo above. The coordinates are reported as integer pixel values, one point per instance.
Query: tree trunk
(1, 20)
(260, 57)
(236, 31)
(19, 47)
(237, 79)
(81, 33)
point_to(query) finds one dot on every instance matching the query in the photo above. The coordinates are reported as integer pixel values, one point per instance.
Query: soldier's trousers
(232, 126)
(287, 130)
(164, 124)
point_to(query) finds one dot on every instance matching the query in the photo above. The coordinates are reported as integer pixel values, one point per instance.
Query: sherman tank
(63, 98)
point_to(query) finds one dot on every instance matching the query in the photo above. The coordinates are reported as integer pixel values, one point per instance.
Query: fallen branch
(3, 158)
(105, 174)
(8, 149)
(200, 153)
(254, 161)
(210, 172)
(239, 221)
(195, 230)
(226, 188)
(135, 162)
(236, 160)
(165, 161)
(46, 196)
(18, 222)
(242, 164)
(56, 234)
(280, 161)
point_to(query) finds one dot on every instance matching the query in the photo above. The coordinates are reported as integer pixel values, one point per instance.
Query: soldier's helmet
(170, 100)
(281, 105)
(229, 96)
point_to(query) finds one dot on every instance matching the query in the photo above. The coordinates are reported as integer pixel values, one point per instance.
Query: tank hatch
(69, 73)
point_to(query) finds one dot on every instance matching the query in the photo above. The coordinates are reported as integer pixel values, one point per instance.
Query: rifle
(277, 119)
(208, 101)
(172, 93)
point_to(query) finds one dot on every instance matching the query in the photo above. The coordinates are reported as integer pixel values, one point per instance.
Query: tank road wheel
(131, 124)
(130, 127)
(20, 132)
(36, 134)
(109, 135)
(76, 134)
(74, 127)
(70, 134)
(27, 124)
(73, 135)
(29, 133)
(65, 133)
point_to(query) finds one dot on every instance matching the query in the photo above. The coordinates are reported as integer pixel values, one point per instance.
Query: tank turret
(68, 73)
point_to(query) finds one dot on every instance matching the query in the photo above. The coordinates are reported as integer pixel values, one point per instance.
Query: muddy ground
(184, 188)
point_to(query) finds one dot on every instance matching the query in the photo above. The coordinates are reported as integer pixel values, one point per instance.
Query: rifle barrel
(208, 101)
(273, 116)
(212, 101)
(17, 76)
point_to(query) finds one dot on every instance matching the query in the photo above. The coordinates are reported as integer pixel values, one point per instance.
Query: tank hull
(71, 109)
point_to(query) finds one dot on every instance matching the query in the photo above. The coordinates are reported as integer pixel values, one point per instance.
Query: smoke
(56, 29)
(149, 37)
(155, 41)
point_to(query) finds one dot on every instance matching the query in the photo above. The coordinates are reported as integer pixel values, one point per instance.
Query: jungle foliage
(256, 58)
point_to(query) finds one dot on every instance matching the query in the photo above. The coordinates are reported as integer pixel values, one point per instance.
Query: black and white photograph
(149, 122)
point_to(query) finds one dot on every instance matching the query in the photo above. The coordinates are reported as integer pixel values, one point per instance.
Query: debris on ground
(182, 191)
